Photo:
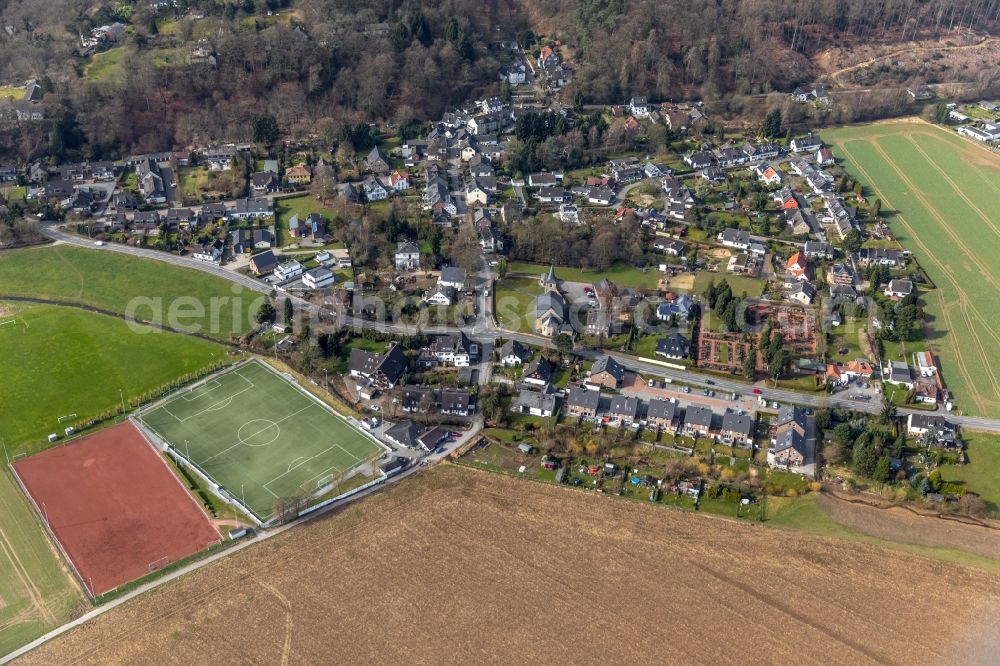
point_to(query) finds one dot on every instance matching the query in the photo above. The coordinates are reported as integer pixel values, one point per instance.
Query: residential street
(484, 330)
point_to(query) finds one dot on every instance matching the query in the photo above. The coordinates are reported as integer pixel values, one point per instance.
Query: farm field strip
(959, 326)
(984, 271)
(944, 191)
(501, 561)
(36, 591)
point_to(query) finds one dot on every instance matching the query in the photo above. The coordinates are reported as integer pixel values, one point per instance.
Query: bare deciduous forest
(317, 65)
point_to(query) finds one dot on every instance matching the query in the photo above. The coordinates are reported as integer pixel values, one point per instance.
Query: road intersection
(485, 330)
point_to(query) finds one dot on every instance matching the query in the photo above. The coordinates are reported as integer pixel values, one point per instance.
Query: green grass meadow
(302, 205)
(514, 303)
(621, 274)
(939, 192)
(106, 67)
(260, 437)
(111, 280)
(58, 361)
(740, 284)
(981, 475)
(36, 591)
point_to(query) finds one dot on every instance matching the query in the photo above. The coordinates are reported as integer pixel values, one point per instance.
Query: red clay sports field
(116, 508)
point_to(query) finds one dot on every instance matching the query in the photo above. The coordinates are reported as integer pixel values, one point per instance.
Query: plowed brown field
(459, 566)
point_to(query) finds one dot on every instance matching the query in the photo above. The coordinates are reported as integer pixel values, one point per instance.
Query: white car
(99, 243)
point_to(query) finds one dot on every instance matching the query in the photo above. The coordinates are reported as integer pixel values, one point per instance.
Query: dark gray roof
(791, 414)
(320, 273)
(736, 422)
(536, 400)
(253, 206)
(661, 409)
(624, 405)
(393, 364)
(579, 396)
(550, 300)
(394, 465)
(452, 274)
(675, 346)
(610, 365)
(455, 399)
(740, 236)
(790, 439)
(390, 365)
(698, 415)
(363, 362)
(927, 421)
(405, 433)
(539, 369)
(515, 348)
(265, 261)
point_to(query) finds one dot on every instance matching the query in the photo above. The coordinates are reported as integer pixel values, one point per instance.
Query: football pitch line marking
(339, 472)
(189, 397)
(211, 408)
(292, 468)
(241, 442)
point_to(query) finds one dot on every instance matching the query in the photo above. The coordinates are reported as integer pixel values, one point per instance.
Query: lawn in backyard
(191, 182)
(260, 437)
(60, 361)
(17, 193)
(106, 67)
(112, 281)
(514, 303)
(981, 475)
(845, 337)
(939, 194)
(753, 287)
(302, 205)
(35, 587)
(622, 275)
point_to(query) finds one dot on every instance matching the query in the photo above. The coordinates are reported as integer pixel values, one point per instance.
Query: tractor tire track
(968, 311)
(965, 305)
(986, 218)
(37, 598)
(962, 367)
(933, 211)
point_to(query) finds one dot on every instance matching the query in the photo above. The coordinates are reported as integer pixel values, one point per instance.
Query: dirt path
(896, 523)
(836, 75)
(69, 264)
(37, 598)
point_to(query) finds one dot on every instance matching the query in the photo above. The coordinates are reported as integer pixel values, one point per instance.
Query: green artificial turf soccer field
(259, 436)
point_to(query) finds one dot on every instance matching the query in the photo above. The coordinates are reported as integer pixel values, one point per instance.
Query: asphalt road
(415, 465)
(485, 330)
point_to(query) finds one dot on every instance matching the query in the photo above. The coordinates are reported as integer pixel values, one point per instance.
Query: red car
(756, 391)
